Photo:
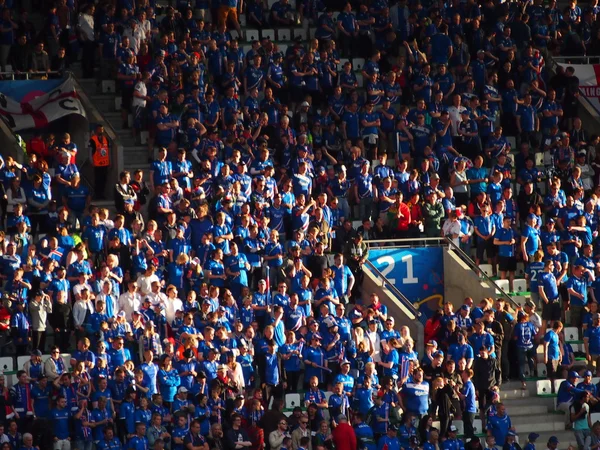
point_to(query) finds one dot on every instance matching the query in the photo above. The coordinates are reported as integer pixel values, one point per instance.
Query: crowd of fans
(231, 276)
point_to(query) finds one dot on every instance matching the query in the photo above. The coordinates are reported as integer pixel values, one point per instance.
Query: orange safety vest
(100, 157)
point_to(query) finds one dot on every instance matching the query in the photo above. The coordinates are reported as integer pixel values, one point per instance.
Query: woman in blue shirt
(168, 380)
(290, 353)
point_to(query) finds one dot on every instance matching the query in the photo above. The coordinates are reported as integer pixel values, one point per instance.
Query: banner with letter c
(26, 104)
(417, 272)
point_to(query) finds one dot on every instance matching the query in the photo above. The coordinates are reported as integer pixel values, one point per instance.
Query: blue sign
(417, 272)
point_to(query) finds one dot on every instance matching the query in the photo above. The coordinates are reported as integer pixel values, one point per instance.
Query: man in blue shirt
(591, 341)
(528, 123)
(60, 417)
(552, 350)
(504, 239)
(548, 291)
(577, 286)
(389, 441)
(500, 424)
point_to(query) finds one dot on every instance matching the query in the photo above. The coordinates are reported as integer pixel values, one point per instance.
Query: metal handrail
(467, 260)
(403, 298)
(26, 75)
(444, 242)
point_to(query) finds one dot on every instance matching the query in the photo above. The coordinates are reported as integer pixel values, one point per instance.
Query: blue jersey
(553, 345)
(499, 427)
(534, 272)
(416, 397)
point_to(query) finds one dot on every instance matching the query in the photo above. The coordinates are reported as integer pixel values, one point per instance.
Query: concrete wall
(402, 315)
(460, 281)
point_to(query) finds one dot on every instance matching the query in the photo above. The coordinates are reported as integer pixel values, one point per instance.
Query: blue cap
(128, 201)
(531, 217)
(573, 374)
(551, 220)
(438, 353)
(553, 440)
(587, 373)
(316, 336)
(533, 436)
(511, 433)
(432, 343)
(465, 308)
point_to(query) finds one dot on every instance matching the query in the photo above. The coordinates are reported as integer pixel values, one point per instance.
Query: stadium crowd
(230, 276)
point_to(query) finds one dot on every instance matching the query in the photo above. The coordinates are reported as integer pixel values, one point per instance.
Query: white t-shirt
(141, 88)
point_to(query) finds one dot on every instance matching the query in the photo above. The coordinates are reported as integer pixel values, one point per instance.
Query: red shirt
(344, 437)
(404, 219)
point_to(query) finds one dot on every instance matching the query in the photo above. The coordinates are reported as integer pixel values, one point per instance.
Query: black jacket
(486, 373)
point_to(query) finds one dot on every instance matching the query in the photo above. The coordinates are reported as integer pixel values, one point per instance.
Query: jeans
(62, 444)
(526, 354)
(580, 436)
(468, 418)
(83, 445)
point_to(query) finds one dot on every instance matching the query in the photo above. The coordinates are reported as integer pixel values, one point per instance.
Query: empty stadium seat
(543, 387)
(542, 371)
(268, 33)
(502, 284)
(292, 400)
(252, 35)
(108, 86)
(328, 394)
(460, 425)
(487, 269)
(520, 285)
(477, 426)
(282, 48)
(284, 34)
(595, 417)
(557, 384)
(300, 32)
(519, 300)
(234, 34)
(342, 62)
(571, 334)
(242, 19)
(358, 63)
(539, 160)
(7, 364)
(360, 80)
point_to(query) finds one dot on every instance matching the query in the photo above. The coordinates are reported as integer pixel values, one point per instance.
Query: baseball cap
(465, 307)
(573, 374)
(432, 343)
(182, 390)
(511, 433)
(531, 217)
(453, 429)
(36, 353)
(587, 373)
(438, 354)
(533, 436)
(304, 104)
(553, 440)
(345, 361)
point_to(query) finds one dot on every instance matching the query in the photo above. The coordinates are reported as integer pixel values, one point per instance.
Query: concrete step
(534, 410)
(105, 103)
(552, 421)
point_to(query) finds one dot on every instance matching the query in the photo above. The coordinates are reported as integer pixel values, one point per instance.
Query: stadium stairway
(108, 103)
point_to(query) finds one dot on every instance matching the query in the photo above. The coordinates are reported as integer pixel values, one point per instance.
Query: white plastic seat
(242, 19)
(487, 269)
(460, 425)
(520, 285)
(356, 224)
(477, 426)
(557, 384)
(300, 32)
(595, 417)
(268, 33)
(539, 160)
(360, 80)
(66, 357)
(21, 360)
(7, 364)
(284, 34)
(282, 48)
(519, 300)
(108, 86)
(571, 334)
(358, 63)
(543, 387)
(234, 34)
(542, 370)
(292, 400)
(252, 35)
(512, 141)
(327, 395)
(502, 284)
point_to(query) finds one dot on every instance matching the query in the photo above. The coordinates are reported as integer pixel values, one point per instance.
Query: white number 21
(391, 263)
